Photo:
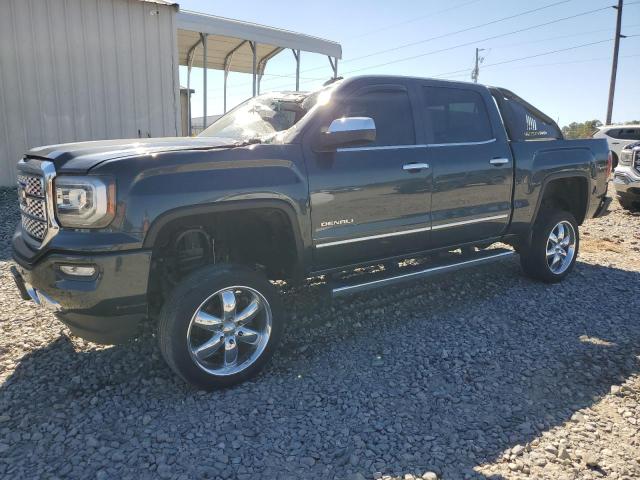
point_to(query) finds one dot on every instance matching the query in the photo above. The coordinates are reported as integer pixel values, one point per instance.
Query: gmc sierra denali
(367, 171)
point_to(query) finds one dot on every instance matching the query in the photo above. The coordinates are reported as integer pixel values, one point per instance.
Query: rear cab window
(522, 120)
(455, 115)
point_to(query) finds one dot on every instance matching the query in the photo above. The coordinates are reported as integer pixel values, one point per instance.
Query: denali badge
(334, 223)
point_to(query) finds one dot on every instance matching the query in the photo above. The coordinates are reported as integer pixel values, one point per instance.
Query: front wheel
(554, 247)
(220, 326)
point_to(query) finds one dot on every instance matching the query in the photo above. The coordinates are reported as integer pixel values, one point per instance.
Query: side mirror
(347, 132)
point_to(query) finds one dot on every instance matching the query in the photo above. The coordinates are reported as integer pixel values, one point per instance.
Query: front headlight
(85, 202)
(625, 157)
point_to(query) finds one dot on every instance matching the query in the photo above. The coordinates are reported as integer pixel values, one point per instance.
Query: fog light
(78, 270)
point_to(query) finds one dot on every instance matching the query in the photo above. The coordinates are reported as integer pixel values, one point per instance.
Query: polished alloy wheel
(561, 247)
(229, 330)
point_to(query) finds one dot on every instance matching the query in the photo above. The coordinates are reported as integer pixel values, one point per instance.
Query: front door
(367, 202)
(471, 162)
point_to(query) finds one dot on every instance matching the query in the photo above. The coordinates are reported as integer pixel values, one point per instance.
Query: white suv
(618, 136)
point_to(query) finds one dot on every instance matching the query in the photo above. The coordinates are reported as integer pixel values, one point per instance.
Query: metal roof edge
(214, 25)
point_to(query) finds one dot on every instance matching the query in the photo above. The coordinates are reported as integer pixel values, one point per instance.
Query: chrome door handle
(415, 166)
(498, 161)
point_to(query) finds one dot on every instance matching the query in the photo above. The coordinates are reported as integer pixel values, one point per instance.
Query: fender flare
(233, 205)
(557, 176)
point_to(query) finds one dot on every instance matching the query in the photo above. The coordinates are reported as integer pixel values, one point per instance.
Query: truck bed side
(537, 163)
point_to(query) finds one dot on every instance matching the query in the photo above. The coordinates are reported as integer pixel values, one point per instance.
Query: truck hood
(82, 156)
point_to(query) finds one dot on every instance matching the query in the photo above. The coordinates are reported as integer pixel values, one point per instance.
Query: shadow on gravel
(444, 375)
(9, 218)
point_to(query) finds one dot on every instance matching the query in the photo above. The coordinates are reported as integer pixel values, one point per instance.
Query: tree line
(586, 129)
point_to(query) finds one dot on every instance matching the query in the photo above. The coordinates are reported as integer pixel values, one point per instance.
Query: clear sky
(569, 85)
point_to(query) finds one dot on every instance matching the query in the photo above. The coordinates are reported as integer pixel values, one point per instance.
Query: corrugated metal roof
(229, 39)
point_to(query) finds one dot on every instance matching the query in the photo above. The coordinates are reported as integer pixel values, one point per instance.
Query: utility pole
(614, 64)
(476, 70)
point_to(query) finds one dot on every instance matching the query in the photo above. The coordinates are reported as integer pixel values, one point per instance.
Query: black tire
(630, 204)
(187, 298)
(533, 258)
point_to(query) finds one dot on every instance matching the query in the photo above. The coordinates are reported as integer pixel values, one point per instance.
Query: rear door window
(629, 134)
(455, 115)
(391, 111)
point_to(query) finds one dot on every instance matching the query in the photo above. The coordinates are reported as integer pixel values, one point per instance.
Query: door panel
(471, 163)
(471, 197)
(360, 193)
(365, 204)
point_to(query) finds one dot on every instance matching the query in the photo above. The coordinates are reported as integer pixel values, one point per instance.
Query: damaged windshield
(261, 118)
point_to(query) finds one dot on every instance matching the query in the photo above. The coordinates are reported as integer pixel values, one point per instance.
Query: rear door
(365, 203)
(471, 162)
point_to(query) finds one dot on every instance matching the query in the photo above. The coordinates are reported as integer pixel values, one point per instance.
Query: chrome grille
(34, 228)
(636, 159)
(34, 207)
(32, 185)
(33, 179)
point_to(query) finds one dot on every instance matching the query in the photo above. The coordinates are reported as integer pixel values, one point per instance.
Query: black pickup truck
(366, 172)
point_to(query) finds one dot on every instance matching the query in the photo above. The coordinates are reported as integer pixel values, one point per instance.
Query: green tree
(581, 130)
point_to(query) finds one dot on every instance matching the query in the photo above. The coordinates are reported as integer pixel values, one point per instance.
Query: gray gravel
(477, 374)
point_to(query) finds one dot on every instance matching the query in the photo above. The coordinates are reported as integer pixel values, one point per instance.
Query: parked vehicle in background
(618, 136)
(626, 178)
(367, 171)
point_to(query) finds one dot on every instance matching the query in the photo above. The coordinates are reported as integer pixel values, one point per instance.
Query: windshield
(259, 118)
(262, 117)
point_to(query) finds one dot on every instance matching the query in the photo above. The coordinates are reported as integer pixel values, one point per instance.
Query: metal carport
(236, 46)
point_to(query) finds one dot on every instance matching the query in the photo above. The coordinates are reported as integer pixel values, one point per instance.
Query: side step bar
(405, 274)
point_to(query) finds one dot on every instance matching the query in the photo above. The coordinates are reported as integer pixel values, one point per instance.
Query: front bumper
(104, 308)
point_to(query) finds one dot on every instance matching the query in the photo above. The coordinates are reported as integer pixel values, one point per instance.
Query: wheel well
(261, 238)
(567, 194)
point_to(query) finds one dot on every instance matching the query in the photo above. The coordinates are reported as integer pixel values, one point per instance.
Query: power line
(466, 71)
(309, 79)
(541, 40)
(534, 56)
(412, 20)
(444, 35)
(449, 34)
(492, 37)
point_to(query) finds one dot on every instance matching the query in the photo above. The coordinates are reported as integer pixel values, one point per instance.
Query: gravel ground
(478, 374)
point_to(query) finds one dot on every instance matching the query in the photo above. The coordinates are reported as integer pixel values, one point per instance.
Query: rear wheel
(554, 247)
(220, 326)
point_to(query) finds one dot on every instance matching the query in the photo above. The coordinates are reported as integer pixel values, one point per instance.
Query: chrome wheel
(561, 247)
(229, 330)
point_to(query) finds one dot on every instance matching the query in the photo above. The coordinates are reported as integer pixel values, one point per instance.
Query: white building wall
(74, 70)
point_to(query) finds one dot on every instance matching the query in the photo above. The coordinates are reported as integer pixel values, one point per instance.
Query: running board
(407, 273)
